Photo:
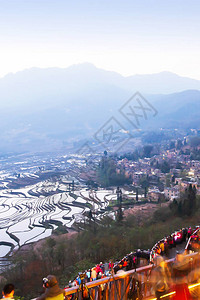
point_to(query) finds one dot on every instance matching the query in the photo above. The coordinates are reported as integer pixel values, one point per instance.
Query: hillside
(47, 109)
(66, 256)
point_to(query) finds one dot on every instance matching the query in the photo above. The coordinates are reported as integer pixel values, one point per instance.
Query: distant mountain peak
(57, 105)
(83, 65)
(164, 82)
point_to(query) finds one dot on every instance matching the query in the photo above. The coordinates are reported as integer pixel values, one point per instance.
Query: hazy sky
(125, 36)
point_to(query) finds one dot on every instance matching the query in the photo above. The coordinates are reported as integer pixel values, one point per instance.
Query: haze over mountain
(46, 108)
(86, 73)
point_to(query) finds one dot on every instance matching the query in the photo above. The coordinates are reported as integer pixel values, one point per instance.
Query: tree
(59, 255)
(174, 207)
(168, 182)
(172, 145)
(119, 200)
(136, 197)
(109, 174)
(179, 144)
(147, 150)
(192, 198)
(48, 254)
(91, 184)
(165, 167)
(145, 192)
(179, 166)
(144, 182)
(186, 205)
(195, 141)
(195, 155)
(105, 153)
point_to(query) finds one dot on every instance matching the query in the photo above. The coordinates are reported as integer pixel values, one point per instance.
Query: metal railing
(116, 287)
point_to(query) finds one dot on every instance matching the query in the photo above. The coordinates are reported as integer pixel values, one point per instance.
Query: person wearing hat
(52, 289)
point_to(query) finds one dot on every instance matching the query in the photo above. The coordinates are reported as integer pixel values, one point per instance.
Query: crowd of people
(131, 261)
(163, 246)
(163, 278)
(194, 242)
(157, 256)
(97, 272)
(175, 278)
(139, 257)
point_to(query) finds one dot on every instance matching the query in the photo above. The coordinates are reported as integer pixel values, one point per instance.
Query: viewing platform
(119, 286)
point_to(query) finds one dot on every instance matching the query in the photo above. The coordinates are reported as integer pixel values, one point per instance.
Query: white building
(171, 193)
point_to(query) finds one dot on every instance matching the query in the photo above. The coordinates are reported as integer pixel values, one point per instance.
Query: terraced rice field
(31, 213)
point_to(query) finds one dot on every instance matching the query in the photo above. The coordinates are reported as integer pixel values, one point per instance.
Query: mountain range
(43, 109)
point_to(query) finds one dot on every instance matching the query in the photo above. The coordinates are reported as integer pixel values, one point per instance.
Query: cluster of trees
(134, 156)
(108, 174)
(164, 166)
(151, 148)
(187, 204)
(145, 151)
(195, 141)
(195, 154)
(155, 137)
